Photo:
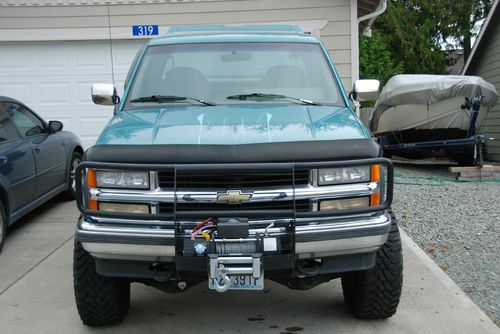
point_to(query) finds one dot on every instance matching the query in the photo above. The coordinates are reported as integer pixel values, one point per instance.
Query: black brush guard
(249, 167)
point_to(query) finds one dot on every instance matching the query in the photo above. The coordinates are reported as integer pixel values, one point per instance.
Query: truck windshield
(218, 73)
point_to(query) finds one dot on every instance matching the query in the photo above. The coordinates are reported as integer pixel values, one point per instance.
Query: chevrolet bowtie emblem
(233, 197)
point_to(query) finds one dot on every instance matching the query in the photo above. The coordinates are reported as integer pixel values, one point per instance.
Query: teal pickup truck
(235, 156)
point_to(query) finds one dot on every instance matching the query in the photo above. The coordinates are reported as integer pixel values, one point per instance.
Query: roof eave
(484, 29)
(368, 11)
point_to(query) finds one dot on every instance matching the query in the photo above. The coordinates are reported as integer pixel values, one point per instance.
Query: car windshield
(229, 73)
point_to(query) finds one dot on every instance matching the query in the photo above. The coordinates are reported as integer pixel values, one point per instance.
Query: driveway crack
(36, 265)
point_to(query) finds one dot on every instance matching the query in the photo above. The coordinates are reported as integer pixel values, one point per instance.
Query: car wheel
(3, 226)
(375, 293)
(100, 300)
(70, 194)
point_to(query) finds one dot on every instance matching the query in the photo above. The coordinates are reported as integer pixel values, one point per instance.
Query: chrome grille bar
(258, 195)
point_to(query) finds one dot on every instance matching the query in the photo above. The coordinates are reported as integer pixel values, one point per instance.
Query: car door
(48, 149)
(17, 162)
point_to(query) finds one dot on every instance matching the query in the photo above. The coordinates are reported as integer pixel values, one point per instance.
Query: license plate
(241, 282)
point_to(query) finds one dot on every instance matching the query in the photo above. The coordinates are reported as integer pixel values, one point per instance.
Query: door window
(7, 129)
(27, 123)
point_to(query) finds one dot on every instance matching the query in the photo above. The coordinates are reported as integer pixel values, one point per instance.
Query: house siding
(46, 20)
(487, 66)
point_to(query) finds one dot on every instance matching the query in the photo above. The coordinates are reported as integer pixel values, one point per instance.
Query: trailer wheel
(466, 160)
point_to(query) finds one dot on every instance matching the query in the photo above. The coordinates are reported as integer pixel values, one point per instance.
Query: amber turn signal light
(375, 177)
(91, 183)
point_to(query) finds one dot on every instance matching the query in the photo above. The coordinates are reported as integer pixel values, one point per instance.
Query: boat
(421, 116)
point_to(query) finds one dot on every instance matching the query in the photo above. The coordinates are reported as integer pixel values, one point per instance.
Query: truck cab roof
(240, 33)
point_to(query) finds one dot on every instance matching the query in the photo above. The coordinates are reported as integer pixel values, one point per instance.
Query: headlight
(119, 179)
(341, 175)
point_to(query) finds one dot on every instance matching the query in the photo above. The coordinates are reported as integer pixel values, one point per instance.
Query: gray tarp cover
(428, 89)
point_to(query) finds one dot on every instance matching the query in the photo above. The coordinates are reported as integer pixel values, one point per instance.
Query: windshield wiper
(266, 97)
(170, 98)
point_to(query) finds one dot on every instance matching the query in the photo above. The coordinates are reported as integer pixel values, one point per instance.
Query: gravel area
(457, 224)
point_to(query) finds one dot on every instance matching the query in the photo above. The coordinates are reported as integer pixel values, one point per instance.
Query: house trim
(354, 42)
(122, 33)
(480, 37)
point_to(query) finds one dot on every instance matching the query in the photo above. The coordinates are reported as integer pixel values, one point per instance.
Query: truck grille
(300, 205)
(233, 180)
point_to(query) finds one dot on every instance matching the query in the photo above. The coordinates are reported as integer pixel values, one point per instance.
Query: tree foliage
(458, 20)
(376, 59)
(409, 36)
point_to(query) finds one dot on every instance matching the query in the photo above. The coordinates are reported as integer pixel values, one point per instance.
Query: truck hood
(232, 124)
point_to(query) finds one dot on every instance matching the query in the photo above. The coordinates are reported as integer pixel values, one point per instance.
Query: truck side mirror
(365, 90)
(105, 94)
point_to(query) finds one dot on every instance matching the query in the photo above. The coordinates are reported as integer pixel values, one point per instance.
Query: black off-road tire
(70, 194)
(375, 293)
(3, 226)
(100, 300)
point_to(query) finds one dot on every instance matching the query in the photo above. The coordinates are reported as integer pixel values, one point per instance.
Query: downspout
(372, 16)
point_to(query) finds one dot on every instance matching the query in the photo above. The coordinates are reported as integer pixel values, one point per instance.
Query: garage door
(54, 79)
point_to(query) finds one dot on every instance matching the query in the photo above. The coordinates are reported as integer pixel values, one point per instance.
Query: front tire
(3, 226)
(100, 300)
(375, 293)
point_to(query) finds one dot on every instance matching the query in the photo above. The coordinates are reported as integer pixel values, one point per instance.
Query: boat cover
(427, 89)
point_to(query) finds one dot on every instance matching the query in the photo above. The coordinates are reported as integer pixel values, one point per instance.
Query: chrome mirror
(365, 90)
(105, 94)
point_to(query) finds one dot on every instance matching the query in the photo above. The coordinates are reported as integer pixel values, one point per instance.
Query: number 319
(145, 30)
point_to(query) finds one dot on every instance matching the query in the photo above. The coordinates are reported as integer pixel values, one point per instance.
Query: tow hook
(222, 282)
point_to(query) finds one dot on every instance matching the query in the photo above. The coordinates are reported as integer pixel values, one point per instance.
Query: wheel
(100, 300)
(375, 293)
(70, 194)
(465, 160)
(3, 226)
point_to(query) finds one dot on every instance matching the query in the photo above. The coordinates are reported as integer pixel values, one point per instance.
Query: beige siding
(488, 67)
(336, 34)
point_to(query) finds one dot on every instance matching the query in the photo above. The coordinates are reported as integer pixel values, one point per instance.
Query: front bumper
(144, 241)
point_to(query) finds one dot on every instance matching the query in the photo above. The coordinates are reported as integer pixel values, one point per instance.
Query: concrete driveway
(36, 295)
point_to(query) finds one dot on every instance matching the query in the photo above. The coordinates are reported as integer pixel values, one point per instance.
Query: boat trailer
(476, 140)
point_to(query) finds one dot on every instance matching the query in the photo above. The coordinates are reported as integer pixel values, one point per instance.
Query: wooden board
(485, 168)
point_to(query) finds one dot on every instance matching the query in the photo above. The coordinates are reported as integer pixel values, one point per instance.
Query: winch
(235, 260)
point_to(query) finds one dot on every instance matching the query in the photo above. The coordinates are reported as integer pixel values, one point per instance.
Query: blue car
(37, 162)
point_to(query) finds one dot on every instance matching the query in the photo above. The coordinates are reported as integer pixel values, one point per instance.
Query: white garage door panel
(22, 91)
(54, 79)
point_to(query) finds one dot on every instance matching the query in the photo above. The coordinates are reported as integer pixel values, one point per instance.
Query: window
(27, 123)
(7, 129)
(214, 71)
